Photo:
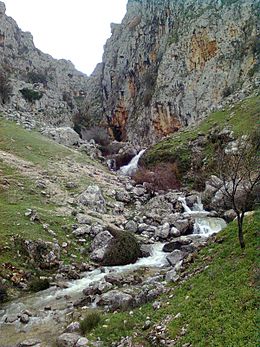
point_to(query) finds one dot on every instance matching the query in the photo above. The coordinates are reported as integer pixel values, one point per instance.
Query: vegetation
(163, 177)
(19, 192)
(239, 172)
(3, 293)
(30, 94)
(90, 321)
(37, 77)
(5, 87)
(123, 249)
(241, 119)
(217, 306)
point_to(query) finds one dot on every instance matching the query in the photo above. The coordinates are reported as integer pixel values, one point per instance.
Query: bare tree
(238, 169)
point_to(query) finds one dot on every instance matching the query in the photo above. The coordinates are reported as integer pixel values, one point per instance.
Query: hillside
(127, 231)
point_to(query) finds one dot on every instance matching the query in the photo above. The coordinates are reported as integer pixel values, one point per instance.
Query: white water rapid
(132, 166)
(204, 224)
(45, 322)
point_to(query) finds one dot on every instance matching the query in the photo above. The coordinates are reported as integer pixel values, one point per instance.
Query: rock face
(49, 90)
(169, 63)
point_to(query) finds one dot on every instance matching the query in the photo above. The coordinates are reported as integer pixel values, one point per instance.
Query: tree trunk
(240, 231)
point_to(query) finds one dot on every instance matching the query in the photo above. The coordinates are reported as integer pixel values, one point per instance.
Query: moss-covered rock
(123, 249)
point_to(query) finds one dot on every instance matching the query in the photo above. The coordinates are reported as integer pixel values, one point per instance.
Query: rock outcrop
(169, 63)
(37, 85)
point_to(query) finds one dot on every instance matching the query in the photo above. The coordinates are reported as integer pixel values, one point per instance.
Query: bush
(30, 94)
(122, 250)
(37, 284)
(162, 177)
(3, 293)
(90, 321)
(5, 87)
(36, 77)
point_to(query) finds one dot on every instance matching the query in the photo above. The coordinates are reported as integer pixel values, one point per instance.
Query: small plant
(5, 87)
(36, 77)
(3, 293)
(38, 284)
(30, 94)
(90, 321)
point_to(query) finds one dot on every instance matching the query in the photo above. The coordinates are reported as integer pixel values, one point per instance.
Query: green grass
(218, 306)
(242, 119)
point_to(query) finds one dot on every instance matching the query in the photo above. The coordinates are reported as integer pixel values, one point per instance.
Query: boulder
(131, 226)
(116, 299)
(73, 327)
(99, 245)
(93, 198)
(98, 287)
(172, 276)
(67, 340)
(185, 226)
(229, 215)
(64, 135)
(82, 231)
(163, 231)
(174, 257)
(178, 244)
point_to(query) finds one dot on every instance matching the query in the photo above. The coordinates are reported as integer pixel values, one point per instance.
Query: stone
(93, 198)
(229, 215)
(174, 257)
(172, 276)
(163, 231)
(73, 327)
(131, 226)
(30, 343)
(82, 231)
(178, 244)
(123, 196)
(67, 340)
(11, 319)
(116, 299)
(185, 226)
(64, 135)
(82, 342)
(24, 318)
(146, 250)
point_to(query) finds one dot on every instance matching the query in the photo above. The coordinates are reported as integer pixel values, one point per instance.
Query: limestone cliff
(169, 63)
(43, 88)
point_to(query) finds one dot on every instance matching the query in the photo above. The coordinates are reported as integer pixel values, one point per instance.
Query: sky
(73, 30)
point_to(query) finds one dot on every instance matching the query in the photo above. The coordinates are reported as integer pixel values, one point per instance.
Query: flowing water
(131, 167)
(45, 323)
(50, 307)
(204, 225)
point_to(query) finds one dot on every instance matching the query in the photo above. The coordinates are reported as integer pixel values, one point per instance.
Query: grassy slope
(218, 305)
(242, 118)
(20, 193)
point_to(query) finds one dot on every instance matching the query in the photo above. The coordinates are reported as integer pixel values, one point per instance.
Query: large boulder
(122, 249)
(64, 135)
(116, 299)
(93, 198)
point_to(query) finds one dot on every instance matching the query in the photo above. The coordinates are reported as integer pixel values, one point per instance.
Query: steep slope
(36, 85)
(169, 63)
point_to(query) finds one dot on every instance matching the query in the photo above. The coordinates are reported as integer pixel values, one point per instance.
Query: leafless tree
(238, 169)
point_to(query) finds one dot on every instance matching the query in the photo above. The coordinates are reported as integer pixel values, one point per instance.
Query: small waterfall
(131, 167)
(204, 225)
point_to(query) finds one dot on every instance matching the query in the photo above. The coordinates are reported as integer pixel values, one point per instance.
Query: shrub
(3, 293)
(90, 321)
(30, 94)
(162, 177)
(123, 249)
(37, 284)
(5, 87)
(37, 77)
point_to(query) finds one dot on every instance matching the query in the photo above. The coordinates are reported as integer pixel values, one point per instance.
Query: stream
(49, 308)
